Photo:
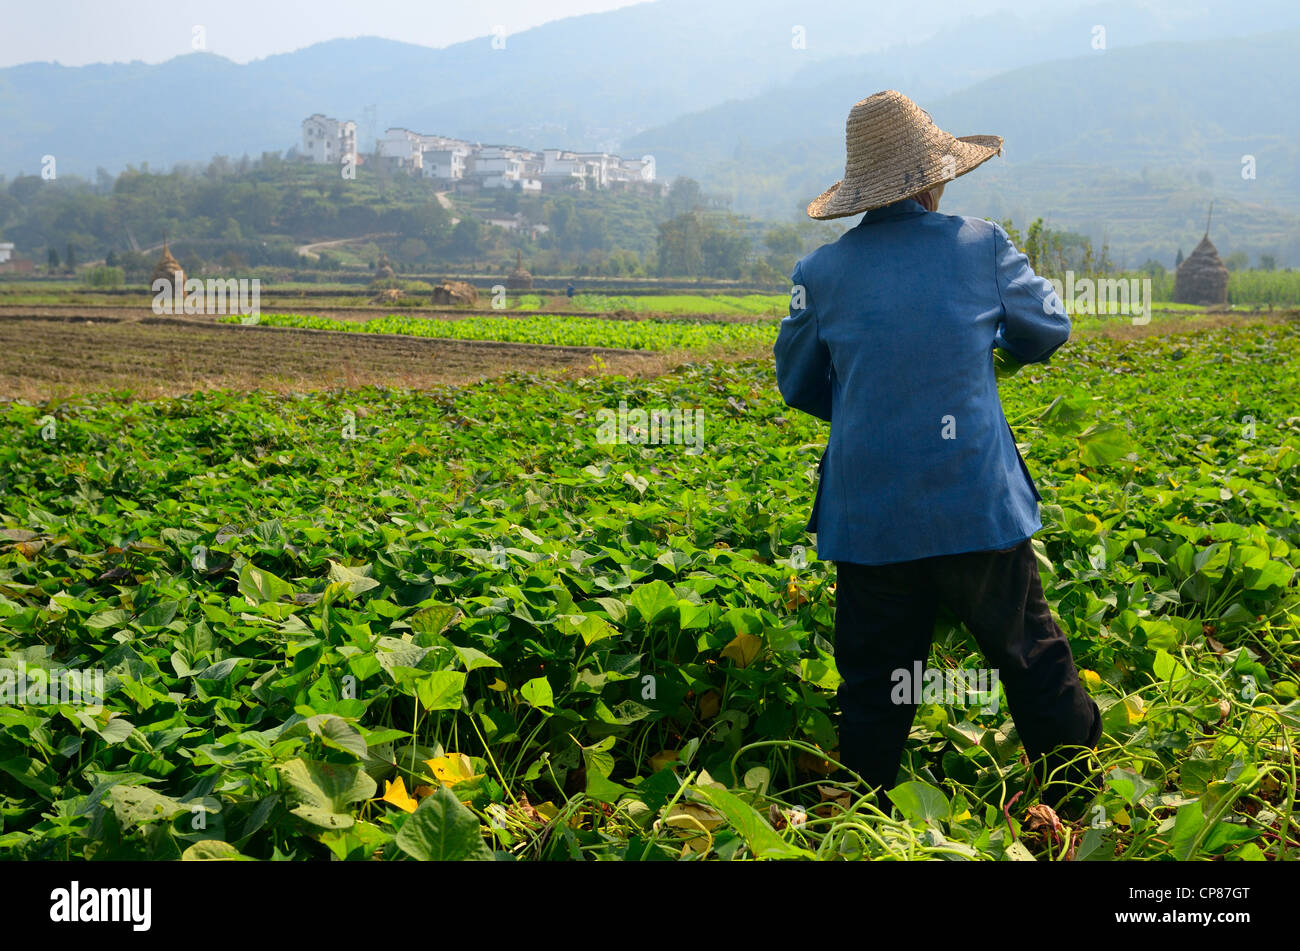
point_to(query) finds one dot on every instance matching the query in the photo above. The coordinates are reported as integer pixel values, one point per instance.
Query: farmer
(923, 499)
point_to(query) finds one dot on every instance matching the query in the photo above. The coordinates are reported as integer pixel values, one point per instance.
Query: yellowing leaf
(498, 685)
(806, 760)
(547, 810)
(689, 815)
(395, 793)
(1091, 678)
(451, 769)
(743, 649)
(695, 822)
(710, 704)
(1134, 709)
(662, 759)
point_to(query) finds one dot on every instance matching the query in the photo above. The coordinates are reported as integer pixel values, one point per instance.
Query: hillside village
(457, 164)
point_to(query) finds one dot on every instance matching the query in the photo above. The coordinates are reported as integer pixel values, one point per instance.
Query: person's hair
(927, 198)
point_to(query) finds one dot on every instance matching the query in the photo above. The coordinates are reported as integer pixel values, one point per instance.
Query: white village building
(326, 141)
(460, 163)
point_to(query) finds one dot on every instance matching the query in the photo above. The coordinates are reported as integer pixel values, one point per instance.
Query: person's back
(905, 308)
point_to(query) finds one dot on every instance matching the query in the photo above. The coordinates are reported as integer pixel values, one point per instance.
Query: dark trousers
(884, 622)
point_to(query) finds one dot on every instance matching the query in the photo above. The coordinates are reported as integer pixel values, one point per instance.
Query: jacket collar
(907, 206)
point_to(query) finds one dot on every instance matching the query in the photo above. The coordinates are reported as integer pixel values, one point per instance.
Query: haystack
(519, 279)
(1202, 278)
(455, 293)
(167, 269)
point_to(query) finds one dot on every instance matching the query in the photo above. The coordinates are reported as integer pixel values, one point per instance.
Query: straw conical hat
(896, 151)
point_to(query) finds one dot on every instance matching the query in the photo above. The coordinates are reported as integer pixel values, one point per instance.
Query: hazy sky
(115, 31)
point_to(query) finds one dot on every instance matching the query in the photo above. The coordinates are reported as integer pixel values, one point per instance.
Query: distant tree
(559, 216)
(1267, 262)
(110, 259)
(684, 196)
(1034, 243)
(1237, 261)
(71, 261)
(680, 239)
(466, 238)
(1153, 267)
(1178, 261)
(413, 250)
(232, 232)
(696, 245)
(593, 230)
(784, 244)
(53, 259)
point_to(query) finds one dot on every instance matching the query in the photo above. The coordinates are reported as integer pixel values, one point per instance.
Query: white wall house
(6, 251)
(326, 141)
(634, 171)
(504, 166)
(401, 147)
(447, 164)
(563, 168)
(450, 160)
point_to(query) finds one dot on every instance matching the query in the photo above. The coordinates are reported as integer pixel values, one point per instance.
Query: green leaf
(762, 840)
(1187, 824)
(158, 615)
(113, 618)
(355, 580)
(920, 802)
(1065, 413)
(652, 600)
(443, 830)
(213, 850)
(432, 620)
(587, 626)
(473, 658)
(441, 689)
(326, 791)
(138, 805)
(538, 692)
(339, 733)
(220, 670)
(261, 586)
(1103, 444)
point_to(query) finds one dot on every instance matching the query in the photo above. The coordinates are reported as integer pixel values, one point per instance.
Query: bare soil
(56, 354)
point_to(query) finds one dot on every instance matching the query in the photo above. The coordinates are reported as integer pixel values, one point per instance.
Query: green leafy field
(554, 329)
(386, 624)
(752, 304)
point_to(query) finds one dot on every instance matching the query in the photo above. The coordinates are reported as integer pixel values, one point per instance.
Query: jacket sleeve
(1034, 323)
(803, 361)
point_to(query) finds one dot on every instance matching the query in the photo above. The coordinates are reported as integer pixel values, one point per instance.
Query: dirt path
(310, 249)
(446, 203)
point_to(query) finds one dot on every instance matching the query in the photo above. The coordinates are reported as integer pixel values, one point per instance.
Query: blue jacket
(891, 340)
